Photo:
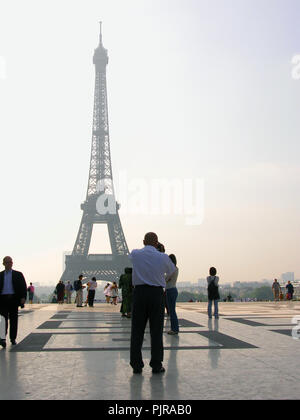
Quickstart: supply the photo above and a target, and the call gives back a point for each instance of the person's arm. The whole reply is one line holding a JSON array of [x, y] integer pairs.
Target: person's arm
[[170, 268], [173, 276], [131, 254]]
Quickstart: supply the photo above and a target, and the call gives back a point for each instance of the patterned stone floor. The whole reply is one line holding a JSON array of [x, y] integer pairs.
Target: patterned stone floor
[[64, 352]]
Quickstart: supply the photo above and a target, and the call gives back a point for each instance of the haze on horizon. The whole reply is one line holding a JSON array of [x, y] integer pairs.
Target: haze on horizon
[[200, 89]]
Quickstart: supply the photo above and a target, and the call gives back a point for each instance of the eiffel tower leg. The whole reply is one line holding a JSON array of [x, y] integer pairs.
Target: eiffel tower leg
[[84, 236], [116, 236]]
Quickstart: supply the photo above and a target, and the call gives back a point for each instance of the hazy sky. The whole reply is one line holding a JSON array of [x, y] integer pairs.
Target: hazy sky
[[197, 89]]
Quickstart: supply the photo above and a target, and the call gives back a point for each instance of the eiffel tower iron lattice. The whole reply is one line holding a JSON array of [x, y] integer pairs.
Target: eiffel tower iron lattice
[[100, 206]]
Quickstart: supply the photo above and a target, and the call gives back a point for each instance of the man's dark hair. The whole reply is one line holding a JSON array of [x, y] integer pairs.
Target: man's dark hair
[[151, 239]]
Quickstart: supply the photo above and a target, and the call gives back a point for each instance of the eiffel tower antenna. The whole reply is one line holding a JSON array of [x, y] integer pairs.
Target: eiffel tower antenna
[[100, 206], [100, 33]]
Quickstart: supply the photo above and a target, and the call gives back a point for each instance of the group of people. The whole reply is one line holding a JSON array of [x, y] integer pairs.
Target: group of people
[[63, 291], [111, 293], [153, 272], [147, 289], [278, 295]]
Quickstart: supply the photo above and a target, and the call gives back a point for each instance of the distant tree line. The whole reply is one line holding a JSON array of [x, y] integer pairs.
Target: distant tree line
[[258, 293]]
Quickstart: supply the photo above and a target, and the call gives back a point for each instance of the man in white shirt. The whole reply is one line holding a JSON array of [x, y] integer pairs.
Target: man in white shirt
[[148, 278]]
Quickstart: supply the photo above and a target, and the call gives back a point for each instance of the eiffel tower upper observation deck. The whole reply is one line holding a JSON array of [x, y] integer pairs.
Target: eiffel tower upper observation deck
[[100, 206]]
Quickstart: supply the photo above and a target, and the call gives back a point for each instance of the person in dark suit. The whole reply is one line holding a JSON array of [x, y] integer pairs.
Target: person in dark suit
[[13, 292]]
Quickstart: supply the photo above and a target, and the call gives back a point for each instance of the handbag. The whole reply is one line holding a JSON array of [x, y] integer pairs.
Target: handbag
[[213, 290], [2, 327]]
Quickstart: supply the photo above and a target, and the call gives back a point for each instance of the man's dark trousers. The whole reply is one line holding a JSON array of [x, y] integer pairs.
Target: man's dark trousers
[[148, 304], [9, 310]]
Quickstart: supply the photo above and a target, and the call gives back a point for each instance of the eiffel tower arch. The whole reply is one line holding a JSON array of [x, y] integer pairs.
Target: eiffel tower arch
[[100, 206]]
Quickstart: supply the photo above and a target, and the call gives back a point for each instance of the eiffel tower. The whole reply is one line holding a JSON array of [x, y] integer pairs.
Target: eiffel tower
[[100, 205]]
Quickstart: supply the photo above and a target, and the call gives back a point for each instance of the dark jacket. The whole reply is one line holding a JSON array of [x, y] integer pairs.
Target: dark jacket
[[290, 288], [60, 288], [19, 284]]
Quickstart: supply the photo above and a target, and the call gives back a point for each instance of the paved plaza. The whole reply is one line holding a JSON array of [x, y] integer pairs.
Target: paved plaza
[[64, 352]]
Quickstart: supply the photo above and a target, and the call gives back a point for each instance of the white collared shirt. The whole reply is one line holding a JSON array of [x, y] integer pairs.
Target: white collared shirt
[[172, 279], [92, 285], [150, 266]]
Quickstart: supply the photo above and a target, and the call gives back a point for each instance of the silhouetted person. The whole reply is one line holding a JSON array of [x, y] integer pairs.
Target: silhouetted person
[[30, 291], [13, 293], [125, 284], [172, 294], [149, 269], [60, 291], [213, 292]]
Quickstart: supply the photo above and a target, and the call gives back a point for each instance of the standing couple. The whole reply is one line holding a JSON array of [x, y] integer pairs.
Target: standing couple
[[150, 270]]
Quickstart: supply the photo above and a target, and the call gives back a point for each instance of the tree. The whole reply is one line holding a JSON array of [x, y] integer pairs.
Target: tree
[[262, 293], [185, 296]]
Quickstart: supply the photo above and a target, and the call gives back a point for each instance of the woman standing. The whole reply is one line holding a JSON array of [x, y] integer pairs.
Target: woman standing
[[213, 292], [171, 295]]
